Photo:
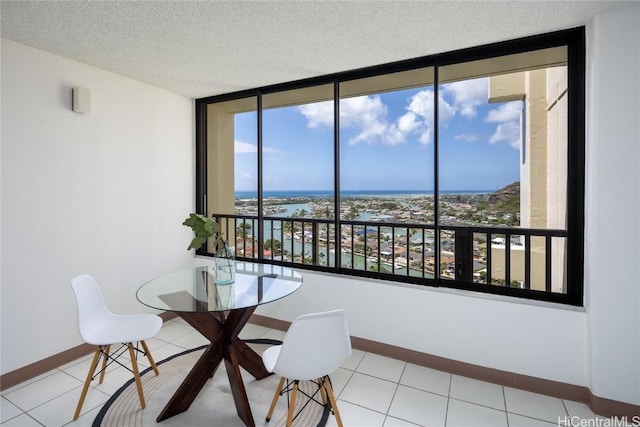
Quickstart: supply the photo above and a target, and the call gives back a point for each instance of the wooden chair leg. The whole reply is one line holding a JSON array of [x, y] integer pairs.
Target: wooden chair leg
[[322, 391], [292, 404], [85, 388], [136, 374], [148, 353], [275, 399], [332, 399], [104, 363]]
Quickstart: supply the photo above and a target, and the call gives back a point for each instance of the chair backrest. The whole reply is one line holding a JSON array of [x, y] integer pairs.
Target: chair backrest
[[315, 345], [92, 312]]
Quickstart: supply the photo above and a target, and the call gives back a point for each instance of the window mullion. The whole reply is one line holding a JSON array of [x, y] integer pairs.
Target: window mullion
[[336, 173], [436, 172], [260, 186]]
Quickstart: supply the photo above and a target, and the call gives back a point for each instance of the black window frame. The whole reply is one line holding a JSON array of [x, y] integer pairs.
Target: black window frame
[[573, 39]]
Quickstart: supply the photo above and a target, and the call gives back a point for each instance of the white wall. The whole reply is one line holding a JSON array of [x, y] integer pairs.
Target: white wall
[[518, 337], [103, 193], [599, 347], [613, 206]]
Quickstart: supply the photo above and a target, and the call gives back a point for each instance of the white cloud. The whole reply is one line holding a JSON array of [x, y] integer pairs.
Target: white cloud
[[509, 132], [421, 108], [244, 147], [467, 137], [505, 113], [368, 115], [507, 116], [467, 95], [318, 114], [271, 150], [247, 148], [408, 122]]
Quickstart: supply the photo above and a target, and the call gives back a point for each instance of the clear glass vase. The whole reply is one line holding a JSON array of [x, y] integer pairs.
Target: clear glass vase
[[225, 266]]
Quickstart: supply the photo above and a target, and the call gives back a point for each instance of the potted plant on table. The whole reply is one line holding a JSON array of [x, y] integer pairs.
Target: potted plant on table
[[206, 228]]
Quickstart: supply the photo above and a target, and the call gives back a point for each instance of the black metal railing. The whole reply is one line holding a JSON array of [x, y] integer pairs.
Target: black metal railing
[[469, 257]]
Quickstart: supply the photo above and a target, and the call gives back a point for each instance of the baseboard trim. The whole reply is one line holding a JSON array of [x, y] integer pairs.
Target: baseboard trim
[[599, 405], [28, 372]]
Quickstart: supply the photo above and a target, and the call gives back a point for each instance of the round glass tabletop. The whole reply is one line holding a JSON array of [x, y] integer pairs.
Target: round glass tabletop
[[195, 290]]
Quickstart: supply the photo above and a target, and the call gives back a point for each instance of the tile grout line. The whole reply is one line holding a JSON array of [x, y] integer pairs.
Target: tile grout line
[[504, 397], [446, 411], [395, 392]]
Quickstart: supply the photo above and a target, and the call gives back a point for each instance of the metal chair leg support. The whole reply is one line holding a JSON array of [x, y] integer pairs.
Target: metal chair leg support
[[104, 363]]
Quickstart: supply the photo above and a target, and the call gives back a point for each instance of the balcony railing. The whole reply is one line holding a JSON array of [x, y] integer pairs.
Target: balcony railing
[[469, 257]]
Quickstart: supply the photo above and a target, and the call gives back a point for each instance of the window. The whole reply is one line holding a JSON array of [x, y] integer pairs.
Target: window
[[463, 170]]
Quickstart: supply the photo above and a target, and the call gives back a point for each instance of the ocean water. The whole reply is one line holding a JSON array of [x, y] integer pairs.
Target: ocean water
[[351, 193]]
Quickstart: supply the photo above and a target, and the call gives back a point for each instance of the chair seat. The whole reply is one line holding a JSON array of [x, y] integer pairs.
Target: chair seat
[[314, 346], [123, 328], [270, 357]]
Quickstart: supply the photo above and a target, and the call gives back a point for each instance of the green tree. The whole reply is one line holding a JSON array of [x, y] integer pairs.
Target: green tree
[[244, 229], [274, 245]]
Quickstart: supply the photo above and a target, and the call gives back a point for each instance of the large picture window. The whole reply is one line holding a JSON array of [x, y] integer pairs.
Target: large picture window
[[462, 170]]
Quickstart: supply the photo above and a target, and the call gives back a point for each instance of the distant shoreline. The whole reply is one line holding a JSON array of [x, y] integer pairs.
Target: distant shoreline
[[240, 195]]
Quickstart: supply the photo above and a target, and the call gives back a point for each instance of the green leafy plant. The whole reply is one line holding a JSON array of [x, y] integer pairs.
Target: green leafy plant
[[204, 229]]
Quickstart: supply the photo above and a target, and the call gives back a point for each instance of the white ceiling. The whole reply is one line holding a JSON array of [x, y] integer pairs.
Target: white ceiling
[[203, 48]]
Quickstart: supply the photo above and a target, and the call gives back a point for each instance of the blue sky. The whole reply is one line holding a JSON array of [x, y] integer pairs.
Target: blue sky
[[387, 142]]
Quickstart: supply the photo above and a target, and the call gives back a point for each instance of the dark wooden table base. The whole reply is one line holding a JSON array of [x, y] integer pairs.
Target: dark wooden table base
[[225, 345]]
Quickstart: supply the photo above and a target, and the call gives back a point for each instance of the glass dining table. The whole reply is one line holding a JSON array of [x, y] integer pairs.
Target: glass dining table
[[219, 312]]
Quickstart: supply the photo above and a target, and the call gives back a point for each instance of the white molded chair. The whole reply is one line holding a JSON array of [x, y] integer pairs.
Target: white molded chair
[[315, 345], [100, 327]]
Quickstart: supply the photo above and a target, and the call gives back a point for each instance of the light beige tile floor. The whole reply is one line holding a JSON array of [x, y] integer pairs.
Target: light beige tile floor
[[372, 391]]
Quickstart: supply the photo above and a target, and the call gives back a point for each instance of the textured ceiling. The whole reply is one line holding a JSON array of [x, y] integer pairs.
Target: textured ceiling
[[206, 48]]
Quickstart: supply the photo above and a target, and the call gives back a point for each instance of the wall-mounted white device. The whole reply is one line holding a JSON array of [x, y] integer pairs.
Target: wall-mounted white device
[[81, 100]]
